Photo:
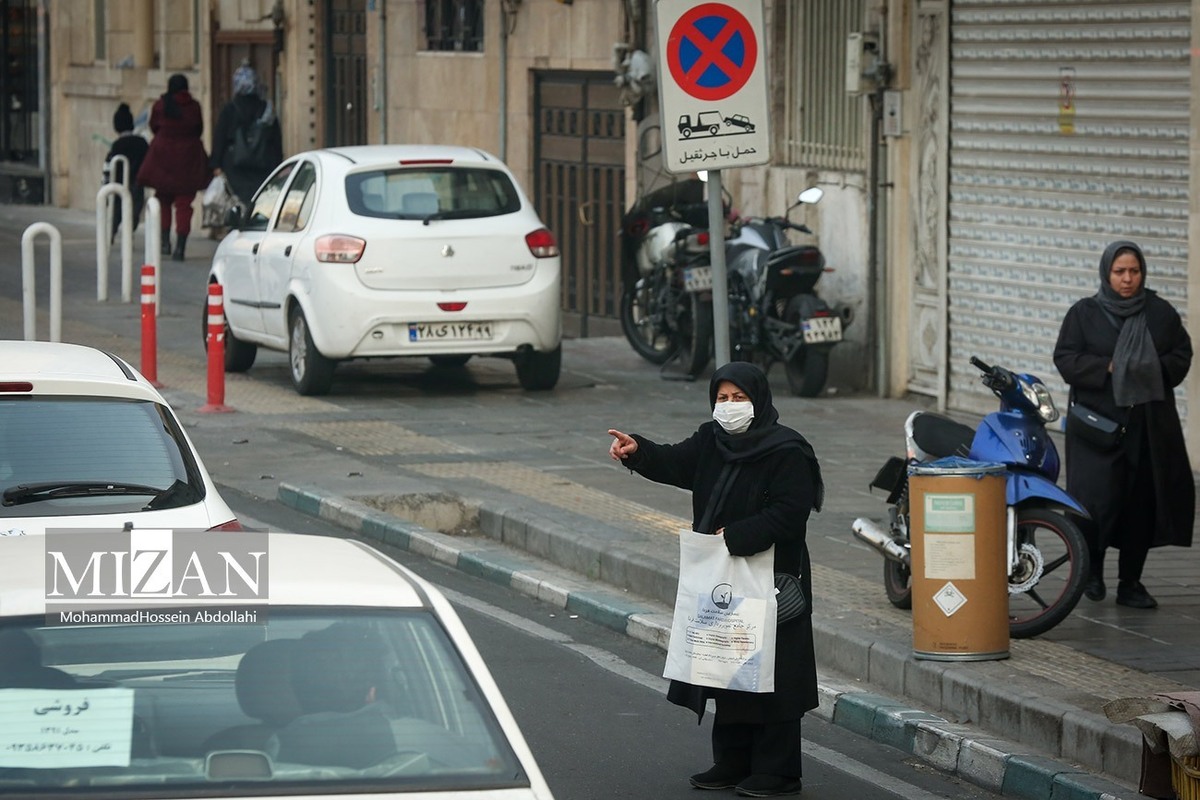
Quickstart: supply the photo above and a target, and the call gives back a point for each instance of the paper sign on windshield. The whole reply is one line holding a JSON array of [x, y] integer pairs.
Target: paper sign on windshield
[[52, 729]]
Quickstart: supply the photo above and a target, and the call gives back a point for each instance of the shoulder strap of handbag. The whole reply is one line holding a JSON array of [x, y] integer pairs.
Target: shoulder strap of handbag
[[719, 492], [1115, 322]]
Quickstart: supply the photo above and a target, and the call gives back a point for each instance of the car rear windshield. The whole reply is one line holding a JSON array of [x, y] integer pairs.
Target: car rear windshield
[[63, 444], [312, 701], [432, 192]]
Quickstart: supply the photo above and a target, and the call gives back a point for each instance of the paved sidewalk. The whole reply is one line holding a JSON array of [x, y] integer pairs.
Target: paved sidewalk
[[517, 488]]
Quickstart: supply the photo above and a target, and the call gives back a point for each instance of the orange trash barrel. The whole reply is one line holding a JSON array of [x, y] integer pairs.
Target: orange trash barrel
[[958, 518]]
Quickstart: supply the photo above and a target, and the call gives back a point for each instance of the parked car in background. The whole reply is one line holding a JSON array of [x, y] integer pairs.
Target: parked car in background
[[404, 250], [87, 442], [358, 680]]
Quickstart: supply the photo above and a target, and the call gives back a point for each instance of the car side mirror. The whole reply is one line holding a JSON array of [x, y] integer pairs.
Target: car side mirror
[[233, 217]]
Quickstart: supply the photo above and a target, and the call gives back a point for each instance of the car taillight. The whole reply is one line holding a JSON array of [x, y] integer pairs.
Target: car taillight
[[456, 306], [340, 249], [232, 525], [541, 243]]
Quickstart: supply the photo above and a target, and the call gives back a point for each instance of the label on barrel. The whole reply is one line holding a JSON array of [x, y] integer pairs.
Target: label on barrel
[[950, 513], [949, 599], [950, 556]]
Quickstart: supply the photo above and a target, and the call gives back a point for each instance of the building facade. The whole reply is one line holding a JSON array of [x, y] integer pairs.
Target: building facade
[[974, 168]]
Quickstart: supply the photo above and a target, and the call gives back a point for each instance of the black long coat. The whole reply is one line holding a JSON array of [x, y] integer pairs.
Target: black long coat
[[241, 112], [768, 504], [1085, 347]]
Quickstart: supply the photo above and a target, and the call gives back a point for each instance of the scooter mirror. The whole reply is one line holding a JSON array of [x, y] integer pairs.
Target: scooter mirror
[[812, 194]]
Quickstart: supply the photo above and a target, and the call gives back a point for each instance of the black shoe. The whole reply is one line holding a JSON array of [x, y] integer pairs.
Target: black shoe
[[1134, 595], [166, 245], [768, 786], [719, 776], [1094, 589], [180, 243]]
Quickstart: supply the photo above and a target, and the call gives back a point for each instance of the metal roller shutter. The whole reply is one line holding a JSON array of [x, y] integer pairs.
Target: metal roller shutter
[[1068, 129]]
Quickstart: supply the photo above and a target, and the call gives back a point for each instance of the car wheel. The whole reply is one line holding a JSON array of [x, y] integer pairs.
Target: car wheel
[[312, 373], [714, 129], [449, 360], [539, 371], [687, 133], [239, 355]]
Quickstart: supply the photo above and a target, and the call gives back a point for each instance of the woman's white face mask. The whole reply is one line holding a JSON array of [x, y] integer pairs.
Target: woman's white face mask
[[734, 417]]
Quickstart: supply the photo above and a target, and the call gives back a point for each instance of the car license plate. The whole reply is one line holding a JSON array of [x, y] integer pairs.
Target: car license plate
[[697, 279], [449, 331], [822, 329]]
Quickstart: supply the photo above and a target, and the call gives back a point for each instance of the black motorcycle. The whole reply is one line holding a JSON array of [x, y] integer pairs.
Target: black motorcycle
[[775, 313], [665, 313]]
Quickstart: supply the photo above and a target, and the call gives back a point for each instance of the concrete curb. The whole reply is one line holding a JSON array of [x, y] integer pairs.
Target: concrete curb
[[994, 764]]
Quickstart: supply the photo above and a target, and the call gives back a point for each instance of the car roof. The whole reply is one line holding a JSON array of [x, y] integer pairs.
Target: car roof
[[304, 570], [70, 369]]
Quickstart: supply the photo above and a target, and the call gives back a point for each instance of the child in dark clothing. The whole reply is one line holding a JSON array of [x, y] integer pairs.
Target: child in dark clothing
[[133, 147]]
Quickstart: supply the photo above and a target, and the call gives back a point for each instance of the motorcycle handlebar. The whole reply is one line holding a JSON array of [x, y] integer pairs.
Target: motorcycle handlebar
[[979, 364], [996, 378]]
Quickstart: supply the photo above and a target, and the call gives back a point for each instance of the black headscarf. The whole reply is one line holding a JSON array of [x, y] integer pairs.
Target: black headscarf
[[175, 84], [765, 434], [1137, 372]]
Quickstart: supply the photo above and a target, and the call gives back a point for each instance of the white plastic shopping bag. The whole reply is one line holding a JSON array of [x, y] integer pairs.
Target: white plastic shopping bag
[[218, 199], [723, 632]]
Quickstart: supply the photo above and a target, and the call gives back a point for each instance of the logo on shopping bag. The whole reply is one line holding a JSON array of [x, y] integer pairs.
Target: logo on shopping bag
[[722, 595]]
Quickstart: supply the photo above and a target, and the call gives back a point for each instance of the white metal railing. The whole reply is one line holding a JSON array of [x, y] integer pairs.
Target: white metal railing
[[29, 283], [825, 126]]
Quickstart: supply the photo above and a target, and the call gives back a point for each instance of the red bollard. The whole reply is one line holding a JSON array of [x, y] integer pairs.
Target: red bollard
[[149, 326], [216, 352]]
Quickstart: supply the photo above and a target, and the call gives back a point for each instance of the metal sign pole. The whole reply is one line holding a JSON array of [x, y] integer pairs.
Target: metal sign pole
[[720, 280]]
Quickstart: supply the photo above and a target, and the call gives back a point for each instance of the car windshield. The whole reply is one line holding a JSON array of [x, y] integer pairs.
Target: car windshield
[[431, 193], [85, 455], [312, 701]]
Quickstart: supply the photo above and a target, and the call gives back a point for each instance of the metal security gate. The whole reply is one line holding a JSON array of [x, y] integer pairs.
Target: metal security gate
[[1068, 129], [579, 189], [346, 70]]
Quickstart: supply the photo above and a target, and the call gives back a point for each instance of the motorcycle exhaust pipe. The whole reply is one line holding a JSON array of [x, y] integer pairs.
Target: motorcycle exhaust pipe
[[880, 540]]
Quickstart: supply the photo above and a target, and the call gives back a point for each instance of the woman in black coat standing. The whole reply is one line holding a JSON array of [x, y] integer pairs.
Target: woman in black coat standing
[[769, 481], [246, 111], [1123, 352]]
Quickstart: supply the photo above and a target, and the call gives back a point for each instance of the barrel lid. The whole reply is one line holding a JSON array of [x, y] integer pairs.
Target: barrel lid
[[956, 465]]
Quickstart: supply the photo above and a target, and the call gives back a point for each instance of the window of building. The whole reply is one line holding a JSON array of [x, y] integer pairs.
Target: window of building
[[454, 25], [100, 30], [19, 82], [825, 126]]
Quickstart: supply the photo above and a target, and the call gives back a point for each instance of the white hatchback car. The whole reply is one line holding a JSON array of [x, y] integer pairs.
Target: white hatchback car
[[87, 442], [391, 250], [355, 678]]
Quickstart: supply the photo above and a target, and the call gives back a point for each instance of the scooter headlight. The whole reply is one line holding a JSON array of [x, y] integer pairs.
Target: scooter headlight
[[1039, 397]]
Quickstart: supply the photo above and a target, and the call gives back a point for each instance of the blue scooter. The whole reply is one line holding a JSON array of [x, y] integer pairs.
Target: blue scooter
[[1047, 554]]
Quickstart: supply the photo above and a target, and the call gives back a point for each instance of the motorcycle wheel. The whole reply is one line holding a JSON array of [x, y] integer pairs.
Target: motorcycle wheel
[[695, 337], [897, 582], [1055, 542], [808, 369], [640, 323]]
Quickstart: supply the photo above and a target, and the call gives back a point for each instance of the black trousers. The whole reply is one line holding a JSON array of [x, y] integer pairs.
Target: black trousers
[[768, 749]]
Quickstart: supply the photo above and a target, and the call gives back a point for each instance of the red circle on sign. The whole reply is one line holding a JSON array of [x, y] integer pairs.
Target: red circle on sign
[[712, 53]]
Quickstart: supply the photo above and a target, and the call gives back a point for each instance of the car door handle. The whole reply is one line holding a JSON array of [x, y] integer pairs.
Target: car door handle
[[287, 251], [254, 249]]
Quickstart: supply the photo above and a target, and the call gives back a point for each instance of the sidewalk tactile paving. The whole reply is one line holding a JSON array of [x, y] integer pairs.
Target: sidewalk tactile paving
[[559, 492], [376, 438]]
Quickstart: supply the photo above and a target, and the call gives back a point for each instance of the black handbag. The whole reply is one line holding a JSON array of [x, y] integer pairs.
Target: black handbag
[[789, 597], [1096, 429], [789, 594]]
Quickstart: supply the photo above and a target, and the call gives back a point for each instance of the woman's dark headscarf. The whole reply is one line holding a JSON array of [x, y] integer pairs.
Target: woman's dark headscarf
[[765, 434], [175, 84], [1137, 374]]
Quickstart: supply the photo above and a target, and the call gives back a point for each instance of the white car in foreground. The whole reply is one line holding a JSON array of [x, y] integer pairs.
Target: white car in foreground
[[358, 680], [391, 250], [87, 442]]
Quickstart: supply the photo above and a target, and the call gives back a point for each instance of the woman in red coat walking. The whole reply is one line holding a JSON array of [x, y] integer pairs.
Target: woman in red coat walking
[[176, 167]]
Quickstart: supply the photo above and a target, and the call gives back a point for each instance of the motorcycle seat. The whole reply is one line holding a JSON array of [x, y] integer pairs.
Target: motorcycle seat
[[941, 436]]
